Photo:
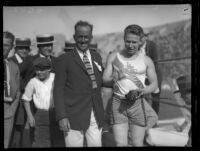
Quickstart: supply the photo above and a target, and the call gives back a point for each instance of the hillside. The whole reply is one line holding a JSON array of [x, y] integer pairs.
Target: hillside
[[173, 40]]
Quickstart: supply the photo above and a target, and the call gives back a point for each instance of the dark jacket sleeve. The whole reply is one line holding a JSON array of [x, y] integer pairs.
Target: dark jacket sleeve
[[59, 87], [153, 54]]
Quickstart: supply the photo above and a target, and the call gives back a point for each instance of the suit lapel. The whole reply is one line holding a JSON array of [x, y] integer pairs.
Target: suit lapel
[[79, 61], [14, 59], [93, 56]]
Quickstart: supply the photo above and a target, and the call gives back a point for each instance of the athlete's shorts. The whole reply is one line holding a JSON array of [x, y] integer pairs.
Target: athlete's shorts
[[124, 112]]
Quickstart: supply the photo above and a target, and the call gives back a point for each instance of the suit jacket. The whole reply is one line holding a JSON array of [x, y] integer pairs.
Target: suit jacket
[[74, 97], [10, 107], [20, 117], [23, 67], [151, 51]]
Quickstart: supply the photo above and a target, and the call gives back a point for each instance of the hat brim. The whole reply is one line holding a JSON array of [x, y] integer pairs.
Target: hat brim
[[23, 45], [43, 43]]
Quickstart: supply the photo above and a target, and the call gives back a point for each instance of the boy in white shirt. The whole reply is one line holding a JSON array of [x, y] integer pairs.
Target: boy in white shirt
[[39, 89]]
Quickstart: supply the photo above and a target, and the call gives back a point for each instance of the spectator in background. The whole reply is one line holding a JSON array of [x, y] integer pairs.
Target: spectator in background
[[127, 70], [149, 48], [45, 48], [77, 91], [11, 87], [184, 85], [22, 49]]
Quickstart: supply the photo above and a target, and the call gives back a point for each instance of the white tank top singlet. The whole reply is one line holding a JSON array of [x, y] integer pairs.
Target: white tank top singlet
[[128, 74]]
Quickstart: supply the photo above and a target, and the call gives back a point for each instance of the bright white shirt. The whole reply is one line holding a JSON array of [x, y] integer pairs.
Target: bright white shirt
[[41, 92], [19, 59], [88, 55], [142, 49]]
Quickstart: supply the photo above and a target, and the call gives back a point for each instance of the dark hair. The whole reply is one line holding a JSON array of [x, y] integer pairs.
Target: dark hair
[[83, 23], [134, 29], [9, 35]]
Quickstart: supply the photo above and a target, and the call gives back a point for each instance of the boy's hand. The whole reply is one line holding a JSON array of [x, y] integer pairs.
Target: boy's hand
[[31, 121]]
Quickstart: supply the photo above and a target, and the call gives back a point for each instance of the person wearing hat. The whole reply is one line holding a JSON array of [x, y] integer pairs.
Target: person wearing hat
[[11, 87], [45, 47], [22, 49], [39, 90]]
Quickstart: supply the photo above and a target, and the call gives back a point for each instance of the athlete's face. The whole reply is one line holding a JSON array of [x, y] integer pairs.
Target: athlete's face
[[132, 43]]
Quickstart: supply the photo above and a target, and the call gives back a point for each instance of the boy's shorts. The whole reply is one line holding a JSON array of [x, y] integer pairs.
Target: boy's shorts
[[124, 112]]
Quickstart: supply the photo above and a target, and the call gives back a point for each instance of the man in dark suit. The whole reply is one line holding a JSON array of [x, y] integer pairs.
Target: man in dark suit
[[22, 48], [77, 91], [11, 87], [149, 48]]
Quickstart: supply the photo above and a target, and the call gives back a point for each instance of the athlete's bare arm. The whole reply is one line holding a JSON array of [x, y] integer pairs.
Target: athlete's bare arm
[[107, 74], [151, 75]]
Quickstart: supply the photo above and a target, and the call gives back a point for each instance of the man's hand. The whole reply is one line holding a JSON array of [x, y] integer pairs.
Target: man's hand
[[31, 121], [64, 125]]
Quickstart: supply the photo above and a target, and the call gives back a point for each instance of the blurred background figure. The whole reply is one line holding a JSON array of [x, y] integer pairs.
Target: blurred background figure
[[11, 87], [22, 49], [149, 48]]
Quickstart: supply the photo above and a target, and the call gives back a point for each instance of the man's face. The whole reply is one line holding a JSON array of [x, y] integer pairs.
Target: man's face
[[83, 37], [132, 43], [42, 74], [7, 46], [22, 51], [46, 49]]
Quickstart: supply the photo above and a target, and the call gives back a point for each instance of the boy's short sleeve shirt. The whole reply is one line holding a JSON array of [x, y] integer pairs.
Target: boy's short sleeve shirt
[[40, 92]]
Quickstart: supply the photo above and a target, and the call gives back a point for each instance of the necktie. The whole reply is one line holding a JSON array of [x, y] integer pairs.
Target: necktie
[[89, 70]]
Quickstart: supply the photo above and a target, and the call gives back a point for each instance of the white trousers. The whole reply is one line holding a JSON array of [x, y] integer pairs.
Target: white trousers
[[93, 135]]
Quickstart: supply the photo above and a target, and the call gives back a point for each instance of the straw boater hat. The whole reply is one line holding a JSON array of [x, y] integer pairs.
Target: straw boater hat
[[70, 46], [22, 42], [45, 39]]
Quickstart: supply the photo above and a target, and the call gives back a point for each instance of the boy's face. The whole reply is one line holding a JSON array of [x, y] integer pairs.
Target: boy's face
[[42, 74]]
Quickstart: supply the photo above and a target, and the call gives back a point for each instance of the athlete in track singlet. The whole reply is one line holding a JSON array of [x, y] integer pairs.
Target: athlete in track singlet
[[126, 71]]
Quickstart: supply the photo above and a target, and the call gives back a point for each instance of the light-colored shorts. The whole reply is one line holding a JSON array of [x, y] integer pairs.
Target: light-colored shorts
[[138, 114]]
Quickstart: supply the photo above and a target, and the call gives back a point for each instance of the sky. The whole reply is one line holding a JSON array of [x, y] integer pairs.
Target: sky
[[35, 20]]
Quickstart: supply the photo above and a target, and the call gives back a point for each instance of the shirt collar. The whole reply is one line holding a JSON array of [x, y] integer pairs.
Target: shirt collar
[[42, 55], [19, 59], [81, 53]]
